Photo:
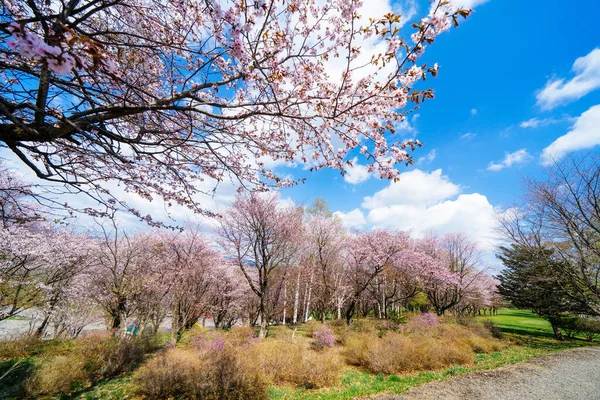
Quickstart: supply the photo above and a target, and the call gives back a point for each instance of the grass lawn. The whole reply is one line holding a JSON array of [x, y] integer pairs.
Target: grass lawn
[[522, 322]]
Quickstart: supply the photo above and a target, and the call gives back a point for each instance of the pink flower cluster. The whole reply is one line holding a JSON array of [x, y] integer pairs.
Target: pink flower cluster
[[323, 337], [427, 320], [31, 46]]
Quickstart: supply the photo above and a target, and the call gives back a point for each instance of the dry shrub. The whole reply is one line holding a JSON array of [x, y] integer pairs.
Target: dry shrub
[[94, 357], [311, 326], [365, 325], [24, 346], [217, 374], [320, 369], [106, 356], [293, 363], [62, 375], [396, 352], [241, 335], [173, 373], [421, 348], [493, 329]]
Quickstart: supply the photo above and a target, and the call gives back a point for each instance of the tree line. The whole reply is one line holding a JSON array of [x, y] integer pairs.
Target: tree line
[[266, 263]]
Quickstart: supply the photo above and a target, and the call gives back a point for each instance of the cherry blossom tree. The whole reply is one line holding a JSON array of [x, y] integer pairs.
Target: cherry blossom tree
[[16, 200], [36, 266], [260, 236], [189, 263], [123, 262], [454, 269], [368, 255], [325, 242], [168, 98]]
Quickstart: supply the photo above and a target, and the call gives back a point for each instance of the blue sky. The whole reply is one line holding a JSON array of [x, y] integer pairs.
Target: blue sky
[[518, 82], [492, 71]]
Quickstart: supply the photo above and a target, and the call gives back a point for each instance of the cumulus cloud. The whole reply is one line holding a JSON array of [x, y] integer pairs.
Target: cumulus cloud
[[518, 157], [357, 173], [354, 219], [584, 134], [414, 187], [469, 213], [587, 79], [429, 201]]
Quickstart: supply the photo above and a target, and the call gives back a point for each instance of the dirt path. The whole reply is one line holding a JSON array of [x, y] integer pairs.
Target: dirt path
[[568, 375]]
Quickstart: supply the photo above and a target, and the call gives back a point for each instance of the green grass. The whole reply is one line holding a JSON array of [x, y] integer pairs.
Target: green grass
[[522, 322]]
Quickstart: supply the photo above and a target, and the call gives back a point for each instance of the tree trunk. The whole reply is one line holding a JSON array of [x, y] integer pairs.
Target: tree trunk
[[263, 319], [296, 299], [557, 333], [284, 302], [309, 291]]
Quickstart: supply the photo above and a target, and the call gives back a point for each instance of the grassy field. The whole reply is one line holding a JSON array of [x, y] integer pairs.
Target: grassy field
[[529, 335], [522, 322]]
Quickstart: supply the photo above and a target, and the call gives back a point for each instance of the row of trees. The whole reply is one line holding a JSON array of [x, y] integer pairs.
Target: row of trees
[[552, 260], [267, 263]]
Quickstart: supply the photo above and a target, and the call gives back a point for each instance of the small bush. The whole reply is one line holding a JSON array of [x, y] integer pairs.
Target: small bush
[[320, 369], [30, 345], [292, 363], [311, 327], [430, 348], [426, 320], [62, 375], [213, 375], [173, 373], [323, 337], [242, 335], [93, 358], [396, 352]]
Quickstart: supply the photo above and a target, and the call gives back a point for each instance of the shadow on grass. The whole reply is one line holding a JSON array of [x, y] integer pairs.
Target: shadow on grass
[[13, 376], [525, 331]]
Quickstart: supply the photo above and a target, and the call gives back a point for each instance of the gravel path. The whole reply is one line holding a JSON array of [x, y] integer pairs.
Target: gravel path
[[568, 375]]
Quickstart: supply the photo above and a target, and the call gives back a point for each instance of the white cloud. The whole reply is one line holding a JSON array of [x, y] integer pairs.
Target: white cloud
[[468, 136], [468, 3], [471, 214], [354, 219], [357, 173], [473, 111], [534, 123], [586, 80], [414, 187], [428, 158], [424, 202], [585, 134], [510, 159]]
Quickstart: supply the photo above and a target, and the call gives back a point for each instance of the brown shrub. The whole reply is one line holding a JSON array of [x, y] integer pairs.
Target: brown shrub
[[295, 363], [241, 335], [219, 374], [311, 326], [426, 349], [93, 357], [25, 346], [62, 375], [173, 373]]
